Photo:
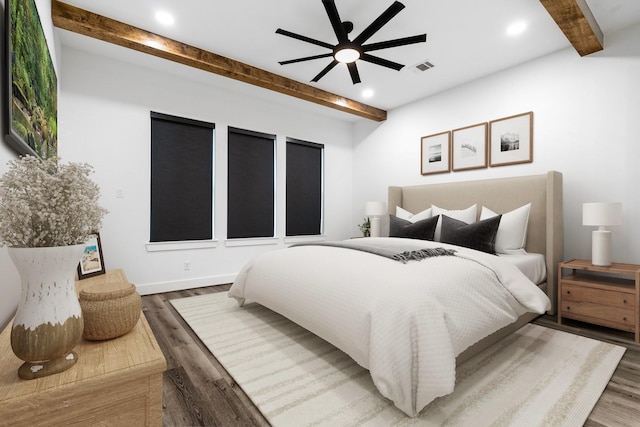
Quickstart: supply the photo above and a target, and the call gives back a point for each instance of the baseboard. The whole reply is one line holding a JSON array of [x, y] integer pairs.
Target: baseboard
[[177, 285]]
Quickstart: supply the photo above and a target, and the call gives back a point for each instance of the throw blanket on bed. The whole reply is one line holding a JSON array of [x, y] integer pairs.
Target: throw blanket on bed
[[405, 322], [399, 252]]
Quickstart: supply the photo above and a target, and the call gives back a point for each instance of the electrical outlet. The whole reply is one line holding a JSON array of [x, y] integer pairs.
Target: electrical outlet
[[187, 265]]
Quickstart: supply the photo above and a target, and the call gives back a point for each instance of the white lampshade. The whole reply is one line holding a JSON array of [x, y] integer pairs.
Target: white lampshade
[[601, 214], [375, 209]]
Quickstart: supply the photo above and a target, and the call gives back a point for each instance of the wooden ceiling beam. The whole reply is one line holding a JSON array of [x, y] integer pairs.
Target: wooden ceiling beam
[[89, 24], [577, 23]]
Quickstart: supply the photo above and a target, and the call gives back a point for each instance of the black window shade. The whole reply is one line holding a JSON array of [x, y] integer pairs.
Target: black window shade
[[304, 188], [251, 184], [181, 179]]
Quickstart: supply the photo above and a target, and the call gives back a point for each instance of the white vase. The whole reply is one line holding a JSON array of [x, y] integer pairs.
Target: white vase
[[48, 323]]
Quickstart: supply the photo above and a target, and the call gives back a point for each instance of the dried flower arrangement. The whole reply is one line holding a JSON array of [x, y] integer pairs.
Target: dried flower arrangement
[[44, 204]]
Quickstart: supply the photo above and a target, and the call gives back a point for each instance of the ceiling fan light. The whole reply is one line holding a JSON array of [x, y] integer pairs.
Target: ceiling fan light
[[347, 55]]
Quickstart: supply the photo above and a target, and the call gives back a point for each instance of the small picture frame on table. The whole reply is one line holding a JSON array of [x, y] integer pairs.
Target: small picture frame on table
[[511, 140], [469, 146], [92, 262], [434, 153]]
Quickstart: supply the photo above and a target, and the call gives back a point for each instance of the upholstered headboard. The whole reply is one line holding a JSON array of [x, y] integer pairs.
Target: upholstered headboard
[[544, 234]]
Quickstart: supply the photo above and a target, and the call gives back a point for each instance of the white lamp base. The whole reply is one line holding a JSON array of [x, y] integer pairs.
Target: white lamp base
[[375, 227], [601, 247]]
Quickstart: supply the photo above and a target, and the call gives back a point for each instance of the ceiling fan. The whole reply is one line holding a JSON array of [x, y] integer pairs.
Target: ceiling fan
[[349, 51]]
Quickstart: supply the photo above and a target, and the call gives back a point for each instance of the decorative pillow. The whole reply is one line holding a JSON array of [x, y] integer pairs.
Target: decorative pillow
[[467, 215], [480, 235], [422, 229], [405, 214], [512, 234]]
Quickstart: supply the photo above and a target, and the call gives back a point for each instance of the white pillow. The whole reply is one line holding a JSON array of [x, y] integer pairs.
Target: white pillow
[[405, 214], [467, 215], [512, 233]]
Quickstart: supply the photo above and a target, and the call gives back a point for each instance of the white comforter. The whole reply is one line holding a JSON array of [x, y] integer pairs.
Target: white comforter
[[405, 323]]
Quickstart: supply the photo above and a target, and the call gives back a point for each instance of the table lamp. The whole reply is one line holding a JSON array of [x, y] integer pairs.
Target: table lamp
[[375, 210], [601, 215]]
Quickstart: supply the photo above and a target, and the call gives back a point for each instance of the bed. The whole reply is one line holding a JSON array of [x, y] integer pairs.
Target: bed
[[404, 320]]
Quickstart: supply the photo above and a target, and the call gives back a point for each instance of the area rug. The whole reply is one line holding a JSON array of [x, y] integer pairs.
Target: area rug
[[534, 377]]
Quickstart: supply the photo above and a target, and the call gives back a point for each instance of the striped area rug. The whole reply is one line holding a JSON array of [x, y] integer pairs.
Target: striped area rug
[[535, 377]]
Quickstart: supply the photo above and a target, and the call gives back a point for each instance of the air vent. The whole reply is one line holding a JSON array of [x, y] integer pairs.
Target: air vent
[[424, 66]]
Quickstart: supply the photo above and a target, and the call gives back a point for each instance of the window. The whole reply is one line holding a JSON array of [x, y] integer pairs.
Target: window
[[181, 179], [251, 184], [304, 188]]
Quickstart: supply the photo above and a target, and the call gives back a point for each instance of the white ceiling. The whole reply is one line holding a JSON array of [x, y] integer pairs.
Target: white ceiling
[[466, 39]]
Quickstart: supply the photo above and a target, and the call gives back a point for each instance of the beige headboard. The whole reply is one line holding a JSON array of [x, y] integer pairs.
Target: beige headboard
[[544, 234]]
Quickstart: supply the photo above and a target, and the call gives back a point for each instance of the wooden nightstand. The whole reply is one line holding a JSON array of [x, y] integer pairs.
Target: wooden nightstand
[[115, 382], [599, 295]]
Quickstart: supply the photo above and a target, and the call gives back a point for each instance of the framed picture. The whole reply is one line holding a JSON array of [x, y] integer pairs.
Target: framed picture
[[31, 100], [469, 147], [92, 263], [434, 153], [511, 140]]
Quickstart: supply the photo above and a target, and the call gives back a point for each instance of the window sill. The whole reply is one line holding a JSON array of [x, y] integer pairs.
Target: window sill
[[180, 246], [251, 241], [305, 239]]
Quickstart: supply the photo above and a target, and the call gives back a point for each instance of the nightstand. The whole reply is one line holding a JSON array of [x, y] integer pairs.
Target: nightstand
[[115, 382], [606, 296]]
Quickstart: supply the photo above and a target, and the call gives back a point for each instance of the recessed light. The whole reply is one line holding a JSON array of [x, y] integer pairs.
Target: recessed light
[[516, 28], [367, 93], [164, 17]]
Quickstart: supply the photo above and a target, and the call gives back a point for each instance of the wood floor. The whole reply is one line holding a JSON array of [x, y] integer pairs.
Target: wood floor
[[197, 391]]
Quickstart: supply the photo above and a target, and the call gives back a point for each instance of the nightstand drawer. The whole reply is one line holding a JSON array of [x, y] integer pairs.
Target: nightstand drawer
[[599, 314], [571, 292]]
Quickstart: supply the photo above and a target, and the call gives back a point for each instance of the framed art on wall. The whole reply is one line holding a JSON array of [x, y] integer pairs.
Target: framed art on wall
[[511, 140], [469, 147], [92, 262], [434, 153], [31, 99]]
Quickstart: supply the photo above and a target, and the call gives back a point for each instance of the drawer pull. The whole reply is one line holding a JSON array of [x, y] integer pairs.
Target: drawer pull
[[624, 301], [568, 292], [624, 318], [568, 307]]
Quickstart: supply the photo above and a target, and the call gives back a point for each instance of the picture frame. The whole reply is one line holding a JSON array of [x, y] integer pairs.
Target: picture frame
[[511, 140], [30, 97], [92, 262], [435, 153], [469, 147]]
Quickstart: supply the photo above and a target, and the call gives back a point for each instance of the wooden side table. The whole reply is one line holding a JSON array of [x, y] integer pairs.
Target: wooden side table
[[600, 295], [115, 382]]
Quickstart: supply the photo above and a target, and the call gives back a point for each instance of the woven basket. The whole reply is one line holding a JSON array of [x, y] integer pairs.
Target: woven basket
[[109, 310]]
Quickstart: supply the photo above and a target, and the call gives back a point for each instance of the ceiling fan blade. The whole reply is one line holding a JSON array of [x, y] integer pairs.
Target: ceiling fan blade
[[379, 61], [353, 70], [386, 16], [306, 58], [325, 71], [394, 43], [336, 22], [304, 38]]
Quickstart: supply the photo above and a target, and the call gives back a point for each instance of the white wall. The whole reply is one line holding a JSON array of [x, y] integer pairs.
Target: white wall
[[586, 126], [9, 278], [104, 120]]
